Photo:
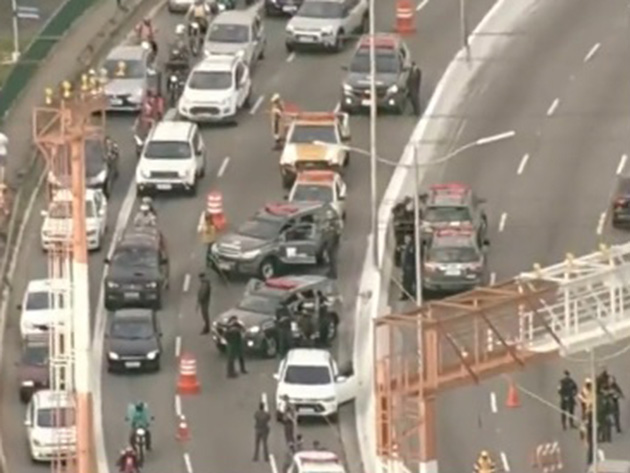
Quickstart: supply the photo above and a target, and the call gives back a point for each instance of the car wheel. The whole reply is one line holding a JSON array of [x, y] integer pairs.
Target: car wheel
[[333, 418], [346, 161], [400, 108], [202, 171], [24, 397], [109, 306], [267, 269], [193, 189], [157, 365], [270, 347], [248, 100]]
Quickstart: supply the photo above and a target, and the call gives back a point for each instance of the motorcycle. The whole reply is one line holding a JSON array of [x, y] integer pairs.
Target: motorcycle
[[194, 38], [129, 466], [140, 444], [174, 88]]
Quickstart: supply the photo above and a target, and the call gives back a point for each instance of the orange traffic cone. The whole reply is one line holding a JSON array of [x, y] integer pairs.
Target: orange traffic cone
[[512, 397], [188, 382], [405, 17], [214, 207], [183, 433]]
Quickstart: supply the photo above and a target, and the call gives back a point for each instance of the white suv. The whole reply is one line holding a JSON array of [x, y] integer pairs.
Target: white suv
[[310, 380], [51, 425], [173, 158], [217, 88]]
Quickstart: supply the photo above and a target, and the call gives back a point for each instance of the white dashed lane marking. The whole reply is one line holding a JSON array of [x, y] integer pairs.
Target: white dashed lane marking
[[552, 108], [622, 164], [592, 52], [493, 278], [502, 221], [600, 223], [422, 4], [504, 460], [224, 166], [291, 57], [522, 164], [493, 402], [257, 105]]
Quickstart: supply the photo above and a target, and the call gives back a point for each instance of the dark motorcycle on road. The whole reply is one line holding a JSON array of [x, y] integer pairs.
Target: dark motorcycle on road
[[174, 87]]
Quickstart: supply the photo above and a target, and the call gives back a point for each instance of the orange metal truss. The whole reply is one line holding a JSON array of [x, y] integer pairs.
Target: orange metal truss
[[463, 339]]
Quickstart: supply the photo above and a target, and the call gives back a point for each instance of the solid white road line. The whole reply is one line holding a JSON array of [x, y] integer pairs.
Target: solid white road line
[[178, 346], [224, 166], [522, 164], [257, 105], [592, 52], [600, 223], [552, 108], [178, 405], [493, 402], [422, 4], [264, 400], [622, 164], [188, 463], [291, 57], [493, 278], [502, 221], [504, 460], [272, 463], [186, 285]]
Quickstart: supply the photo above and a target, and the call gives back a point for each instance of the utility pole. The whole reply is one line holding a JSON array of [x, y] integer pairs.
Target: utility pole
[[373, 149], [594, 450]]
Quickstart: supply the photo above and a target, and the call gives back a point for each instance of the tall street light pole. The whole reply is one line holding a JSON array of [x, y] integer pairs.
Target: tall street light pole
[[373, 151]]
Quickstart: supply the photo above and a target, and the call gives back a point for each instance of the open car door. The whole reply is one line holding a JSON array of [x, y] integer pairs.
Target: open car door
[[299, 245], [347, 384]]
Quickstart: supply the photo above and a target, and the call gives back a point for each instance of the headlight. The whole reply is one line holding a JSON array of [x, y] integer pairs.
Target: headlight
[[290, 29], [112, 285], [151, 285], [328, 30], [393, 89], [254, 330], [250, 254], [240, 54], [28, 384], [113, 356], [152, 355], [347, 88]]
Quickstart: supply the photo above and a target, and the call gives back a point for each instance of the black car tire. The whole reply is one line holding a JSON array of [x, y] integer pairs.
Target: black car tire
[[401, 107], [158, 364], [289, 47], [346, 161], [268, 268], [269, 347], [24, 397]]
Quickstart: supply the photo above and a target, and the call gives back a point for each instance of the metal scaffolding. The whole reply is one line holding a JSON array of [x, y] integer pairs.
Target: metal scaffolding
[[574, 305], [60, 129]]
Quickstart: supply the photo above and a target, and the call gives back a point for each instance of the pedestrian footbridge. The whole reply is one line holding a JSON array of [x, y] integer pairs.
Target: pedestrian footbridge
[[578, 304]]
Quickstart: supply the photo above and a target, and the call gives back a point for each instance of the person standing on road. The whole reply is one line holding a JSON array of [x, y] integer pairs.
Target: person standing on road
[[289, 421], [567, 391], [261, 431], [616, 394], [235, 350], [203, 301], [415, 77], [408, 265], [283, 322]]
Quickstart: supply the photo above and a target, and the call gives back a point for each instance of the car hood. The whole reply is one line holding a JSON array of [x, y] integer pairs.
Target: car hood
[[63, 226], [209, 97], [35, 373], [124, 86], [55, 435], [139, 347], [249, 319], [294, 153], [363, 80], [305, 23], [229, 49], [42, 317], [237, 242], [306, 391], [174, 165]]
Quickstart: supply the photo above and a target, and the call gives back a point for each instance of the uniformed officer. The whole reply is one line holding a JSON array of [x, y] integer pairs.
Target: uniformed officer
[[261, 431], [323, 320], [283, 322], [604, 417], [616, 394], [403, 225], [415, 78], [567, 391], [203, 301], [408, 265], [234, 337], [602, 380], [277, 115]]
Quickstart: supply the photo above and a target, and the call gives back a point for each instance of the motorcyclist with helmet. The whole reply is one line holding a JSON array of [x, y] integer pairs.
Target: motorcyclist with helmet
[[128, 457], [153, 106], [179, 51], [200, 12], [484, 463], [146, 32], [146, 216], [140, 419]]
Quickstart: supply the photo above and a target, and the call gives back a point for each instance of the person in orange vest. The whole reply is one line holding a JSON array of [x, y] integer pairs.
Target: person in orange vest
[[277, 115]]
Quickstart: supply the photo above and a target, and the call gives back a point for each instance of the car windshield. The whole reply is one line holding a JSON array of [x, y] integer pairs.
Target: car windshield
[[312, 9], [311, 375], [168, 150], [260, 228], [55, 417], [259, 304], [42, 300], [210, 80], [310, 192], [310, 134], [229, 34], [35, 355], [386, 63], [124, 68], [135, 258], [132, 330], [443, 213], [453, 255], [63, 209], [94, 157]]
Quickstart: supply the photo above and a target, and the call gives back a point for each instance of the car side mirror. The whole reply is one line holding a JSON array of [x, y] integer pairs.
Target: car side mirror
[[44, 213], [341, 379]]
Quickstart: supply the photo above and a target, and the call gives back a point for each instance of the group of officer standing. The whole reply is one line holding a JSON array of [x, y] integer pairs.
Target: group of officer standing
[[605, 396]]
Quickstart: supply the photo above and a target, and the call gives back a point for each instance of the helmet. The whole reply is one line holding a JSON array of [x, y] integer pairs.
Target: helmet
[[180, 30], [484, 454], [146, 200], [587, 381], [275, 98], [145, 209], [139, 405]]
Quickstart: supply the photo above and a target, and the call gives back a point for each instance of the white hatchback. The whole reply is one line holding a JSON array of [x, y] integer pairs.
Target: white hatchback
[[217, 88], [311, 381], [57, 223], [42, 306]]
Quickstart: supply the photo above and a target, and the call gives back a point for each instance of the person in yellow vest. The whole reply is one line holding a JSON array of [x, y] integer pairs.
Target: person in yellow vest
[[277, 115], [484, 463], [208, 231]]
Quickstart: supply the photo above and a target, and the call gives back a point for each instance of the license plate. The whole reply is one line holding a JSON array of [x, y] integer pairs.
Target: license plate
[[294, 326], [306, 410], [453, 272], [289, 8], [115, 101], [225, 266], [132, 295], [366, 103], [132, 364], [164, 187], [306, 39]]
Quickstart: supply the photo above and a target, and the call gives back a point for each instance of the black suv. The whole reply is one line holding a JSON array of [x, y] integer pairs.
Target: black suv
[[393, 66], [280, 235], [282, 7], [257, 310], [138, 270], [134, 340]]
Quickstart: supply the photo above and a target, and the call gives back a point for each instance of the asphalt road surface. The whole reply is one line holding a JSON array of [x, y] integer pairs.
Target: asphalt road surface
[[562, 86], [221, 417]]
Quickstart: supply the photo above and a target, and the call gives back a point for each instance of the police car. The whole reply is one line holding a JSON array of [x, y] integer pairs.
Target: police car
[[316, 461], [320, 186], [313, 383], [453, 205], [454, 261]]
